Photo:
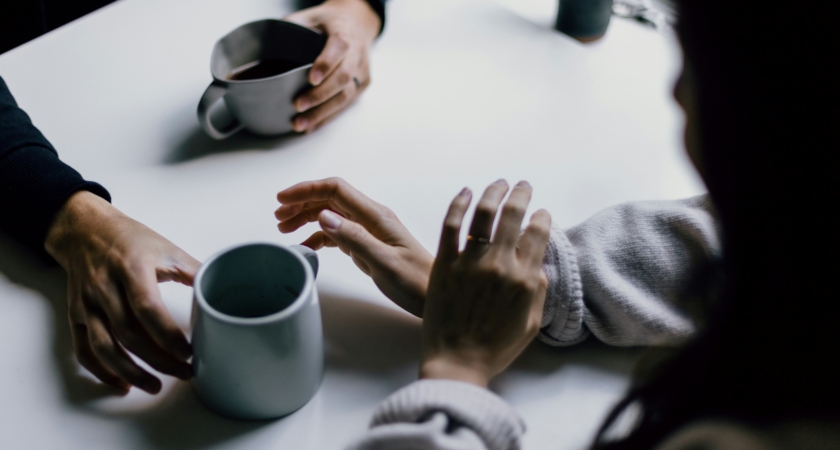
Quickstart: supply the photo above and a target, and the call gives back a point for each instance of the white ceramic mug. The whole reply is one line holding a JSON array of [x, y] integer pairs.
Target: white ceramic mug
[[261, 105], [256, 331]]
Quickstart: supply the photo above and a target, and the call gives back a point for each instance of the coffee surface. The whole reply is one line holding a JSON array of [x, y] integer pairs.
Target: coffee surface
[[255, 70]]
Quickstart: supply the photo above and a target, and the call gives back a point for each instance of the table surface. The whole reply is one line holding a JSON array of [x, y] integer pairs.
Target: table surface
[[464, 92]]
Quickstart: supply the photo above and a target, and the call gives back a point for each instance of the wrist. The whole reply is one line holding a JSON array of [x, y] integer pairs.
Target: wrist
[[363, 14], [453, 368], [78, 215]]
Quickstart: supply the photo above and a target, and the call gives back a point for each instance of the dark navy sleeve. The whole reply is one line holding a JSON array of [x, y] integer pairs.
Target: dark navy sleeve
[[34, 183]]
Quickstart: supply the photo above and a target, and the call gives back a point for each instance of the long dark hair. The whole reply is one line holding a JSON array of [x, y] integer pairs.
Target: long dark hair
[[766, 81]]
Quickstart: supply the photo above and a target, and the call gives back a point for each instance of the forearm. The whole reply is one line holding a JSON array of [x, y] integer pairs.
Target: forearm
[[636, 274], [34, 183]]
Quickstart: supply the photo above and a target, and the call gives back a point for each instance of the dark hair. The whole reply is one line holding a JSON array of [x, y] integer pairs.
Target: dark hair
[[766, 81]]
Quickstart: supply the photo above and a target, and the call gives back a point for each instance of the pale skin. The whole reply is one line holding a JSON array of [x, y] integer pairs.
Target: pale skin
[[480, 307], [113, 265], [351, 27]]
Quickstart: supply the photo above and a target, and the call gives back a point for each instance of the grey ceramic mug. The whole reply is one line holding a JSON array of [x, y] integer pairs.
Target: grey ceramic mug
[[262, 105], [256, 331]]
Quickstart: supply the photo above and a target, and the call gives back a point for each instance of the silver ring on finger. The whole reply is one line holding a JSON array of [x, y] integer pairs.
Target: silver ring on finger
[[478, 239], [357, 83]]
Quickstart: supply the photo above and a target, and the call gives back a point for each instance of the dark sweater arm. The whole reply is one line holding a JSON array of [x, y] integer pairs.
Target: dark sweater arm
[[34, 183]]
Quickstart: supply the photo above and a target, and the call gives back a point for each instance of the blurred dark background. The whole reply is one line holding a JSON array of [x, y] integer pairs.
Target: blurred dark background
[[24, 20]]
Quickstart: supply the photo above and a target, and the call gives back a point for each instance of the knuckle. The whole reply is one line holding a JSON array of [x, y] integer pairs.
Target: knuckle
[[342, 42], [514, 209], [127, 337], [452, 224], [100, 345], [343, 76], [342, 96], [541, 229], [485, 208], [144, 307], [335, 182]]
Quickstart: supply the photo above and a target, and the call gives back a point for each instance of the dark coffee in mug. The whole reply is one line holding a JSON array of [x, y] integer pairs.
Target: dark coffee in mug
[[255, 70]]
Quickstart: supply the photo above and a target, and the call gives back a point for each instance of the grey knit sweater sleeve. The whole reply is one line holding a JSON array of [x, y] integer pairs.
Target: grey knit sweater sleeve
[[634, 274], [442, 415]]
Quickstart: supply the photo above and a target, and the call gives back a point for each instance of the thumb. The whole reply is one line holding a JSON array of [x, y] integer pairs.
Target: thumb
[[352, 237]]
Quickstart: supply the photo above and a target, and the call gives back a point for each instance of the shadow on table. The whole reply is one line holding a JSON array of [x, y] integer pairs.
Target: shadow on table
[[359, 336], [366, 337], [196, 144], [177, 421], [23, 267]]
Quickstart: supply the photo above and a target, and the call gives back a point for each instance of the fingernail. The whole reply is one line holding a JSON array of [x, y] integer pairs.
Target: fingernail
[[465, 191], [315, 77], [300, 124], [330, 219], [301, 105], [500, 181], [524, 183]]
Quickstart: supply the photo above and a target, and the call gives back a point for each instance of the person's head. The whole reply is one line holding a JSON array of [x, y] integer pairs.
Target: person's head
[[760, 92]]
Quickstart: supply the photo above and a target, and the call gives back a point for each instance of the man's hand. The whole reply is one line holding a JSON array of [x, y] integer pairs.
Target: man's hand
[[366, 231], [484, 305], [342, 71], [113, 265]]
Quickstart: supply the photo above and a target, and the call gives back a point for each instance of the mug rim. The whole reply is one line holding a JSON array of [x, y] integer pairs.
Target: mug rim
[[290, 310], [225, 80]]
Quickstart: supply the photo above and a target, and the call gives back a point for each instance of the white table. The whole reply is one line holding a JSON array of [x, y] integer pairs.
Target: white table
[[464, 92]]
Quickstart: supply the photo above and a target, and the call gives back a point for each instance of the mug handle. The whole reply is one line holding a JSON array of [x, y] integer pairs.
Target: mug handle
[[310, 255], [213, 95]]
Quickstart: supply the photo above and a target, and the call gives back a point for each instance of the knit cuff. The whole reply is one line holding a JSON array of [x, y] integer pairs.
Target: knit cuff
[[34, 186], [478, 409], [562, 322]]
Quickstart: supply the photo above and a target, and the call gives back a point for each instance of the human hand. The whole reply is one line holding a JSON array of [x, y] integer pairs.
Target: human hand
[[484, 305], [113, 265], [342, 70], [368, 232]]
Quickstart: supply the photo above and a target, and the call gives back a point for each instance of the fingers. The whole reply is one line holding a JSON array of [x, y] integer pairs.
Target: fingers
[[485, 214], [123, 325], [185, 268], [114, 358], [352, 237], [319, 240], [88, 360], [147, 306], [338, 193], [328, 61], [534, 240], [450, 236], [314, 118], [510, 223], [306, 214]]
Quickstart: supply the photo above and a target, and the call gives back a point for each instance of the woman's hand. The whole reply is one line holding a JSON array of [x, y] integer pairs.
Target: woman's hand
[[113, 265], [484, 305], [342, 70], [366, 231]]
